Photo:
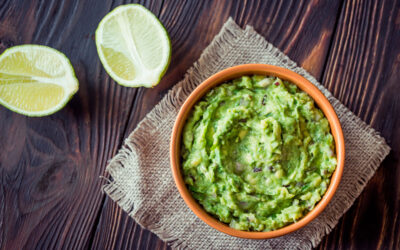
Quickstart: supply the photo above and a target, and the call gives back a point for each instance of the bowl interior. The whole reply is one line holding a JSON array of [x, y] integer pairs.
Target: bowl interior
[[232, 73]]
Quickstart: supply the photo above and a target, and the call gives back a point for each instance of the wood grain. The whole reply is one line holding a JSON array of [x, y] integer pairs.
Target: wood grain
[[301, 29], [49, 167], [49, 187], [363, 72]]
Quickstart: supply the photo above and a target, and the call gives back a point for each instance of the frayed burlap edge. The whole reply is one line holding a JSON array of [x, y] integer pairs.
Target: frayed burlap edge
[[203, 68]]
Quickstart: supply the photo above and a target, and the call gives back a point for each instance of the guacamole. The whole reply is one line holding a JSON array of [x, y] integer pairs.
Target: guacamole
[[257, 153]]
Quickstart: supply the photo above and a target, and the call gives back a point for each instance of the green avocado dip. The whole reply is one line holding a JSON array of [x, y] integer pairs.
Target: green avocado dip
[[256, 153]]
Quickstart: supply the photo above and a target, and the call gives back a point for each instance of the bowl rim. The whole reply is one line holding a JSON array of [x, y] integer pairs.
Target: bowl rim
[[235, 72]]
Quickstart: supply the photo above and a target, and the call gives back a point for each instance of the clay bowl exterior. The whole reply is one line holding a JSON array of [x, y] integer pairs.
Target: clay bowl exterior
[[232, 73]]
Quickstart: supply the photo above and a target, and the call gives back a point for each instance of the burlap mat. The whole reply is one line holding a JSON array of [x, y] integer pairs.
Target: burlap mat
[[141, 181]]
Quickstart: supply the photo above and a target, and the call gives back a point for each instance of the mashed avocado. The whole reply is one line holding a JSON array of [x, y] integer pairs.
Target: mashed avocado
[[256, 153]]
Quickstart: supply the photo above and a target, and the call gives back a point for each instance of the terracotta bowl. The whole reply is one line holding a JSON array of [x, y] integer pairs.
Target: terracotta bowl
[[236, 72]]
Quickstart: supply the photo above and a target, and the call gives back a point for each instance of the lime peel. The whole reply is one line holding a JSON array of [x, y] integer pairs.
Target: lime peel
[[133, 46], [36, 80]]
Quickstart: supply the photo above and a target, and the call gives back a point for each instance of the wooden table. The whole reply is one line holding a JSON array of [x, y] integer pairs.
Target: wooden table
[[50, 190]]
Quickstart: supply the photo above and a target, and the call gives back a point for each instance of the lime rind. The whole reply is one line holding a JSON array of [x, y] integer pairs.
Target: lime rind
[[70, 82], [163, 66]]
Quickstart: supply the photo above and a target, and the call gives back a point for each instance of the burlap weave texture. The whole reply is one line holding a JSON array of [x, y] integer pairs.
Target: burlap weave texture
[[141, 180]]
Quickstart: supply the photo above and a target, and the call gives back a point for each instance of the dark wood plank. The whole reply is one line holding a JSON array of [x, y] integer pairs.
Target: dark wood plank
[[302, 29], [363, 72], [49, 167]]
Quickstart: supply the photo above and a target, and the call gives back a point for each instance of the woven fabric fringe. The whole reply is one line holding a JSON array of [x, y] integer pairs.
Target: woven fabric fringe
[[142, 185]]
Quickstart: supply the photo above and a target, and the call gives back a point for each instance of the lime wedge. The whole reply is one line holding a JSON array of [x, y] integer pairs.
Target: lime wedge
[[133, 46], [35, 80]]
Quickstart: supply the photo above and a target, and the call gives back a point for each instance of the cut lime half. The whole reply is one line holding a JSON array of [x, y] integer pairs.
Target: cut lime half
[[133, 46], [35, 80]]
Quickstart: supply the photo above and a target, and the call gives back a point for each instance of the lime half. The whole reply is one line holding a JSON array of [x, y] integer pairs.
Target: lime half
[[133, 46], [35, 80]]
